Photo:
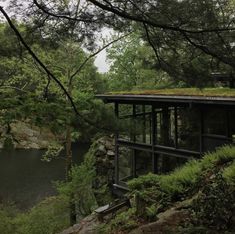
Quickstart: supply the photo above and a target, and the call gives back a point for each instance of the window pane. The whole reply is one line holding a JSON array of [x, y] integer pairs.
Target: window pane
[[165, 127], [188, 123], [143, 162], [210, 144], [124, 109], [125, 159], [143, 129], [168, 163], [215, 121]]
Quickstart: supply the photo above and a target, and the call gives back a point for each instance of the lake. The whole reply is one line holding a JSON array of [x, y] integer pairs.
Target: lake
[[25, 179]]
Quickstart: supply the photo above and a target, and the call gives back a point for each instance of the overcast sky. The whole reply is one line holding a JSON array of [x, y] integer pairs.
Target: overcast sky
[[101, 63], [100, 60]]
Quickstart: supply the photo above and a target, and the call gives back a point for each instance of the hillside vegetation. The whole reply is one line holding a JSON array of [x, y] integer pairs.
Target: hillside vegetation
[[205, 188]]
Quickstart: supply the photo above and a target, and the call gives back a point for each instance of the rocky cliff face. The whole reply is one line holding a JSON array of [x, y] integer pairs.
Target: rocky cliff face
[[23, 135], [105, 153]]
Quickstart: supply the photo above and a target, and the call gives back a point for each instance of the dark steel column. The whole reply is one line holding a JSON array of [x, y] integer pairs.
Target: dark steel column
[[153, 137], [176, 126], [201, 130], [133, 166], [144, 124], [116, 147]]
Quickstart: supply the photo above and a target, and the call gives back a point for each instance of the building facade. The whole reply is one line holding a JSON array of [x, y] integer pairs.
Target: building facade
[[165, 131]]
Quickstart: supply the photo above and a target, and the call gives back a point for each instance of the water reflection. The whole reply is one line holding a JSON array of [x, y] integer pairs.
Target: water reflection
[[26, 180]]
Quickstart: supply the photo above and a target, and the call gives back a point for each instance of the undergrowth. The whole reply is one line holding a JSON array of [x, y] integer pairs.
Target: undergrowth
[[155, 193]]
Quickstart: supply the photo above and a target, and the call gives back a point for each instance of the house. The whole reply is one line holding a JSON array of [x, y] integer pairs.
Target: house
[[170, 127]]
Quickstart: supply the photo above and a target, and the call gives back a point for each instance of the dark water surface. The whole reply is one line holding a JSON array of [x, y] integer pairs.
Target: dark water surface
[[26, 180]]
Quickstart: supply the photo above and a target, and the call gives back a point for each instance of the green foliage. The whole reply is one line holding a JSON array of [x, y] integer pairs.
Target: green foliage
[[132, 66], [49, 217], [162, 190], [8, 143], [52, 152], [79, 187], [7, 215], [151, 212], [124, 221], [215, 205], [229, 174]]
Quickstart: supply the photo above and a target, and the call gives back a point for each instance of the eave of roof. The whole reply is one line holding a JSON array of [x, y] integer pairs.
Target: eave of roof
[[173, 96]]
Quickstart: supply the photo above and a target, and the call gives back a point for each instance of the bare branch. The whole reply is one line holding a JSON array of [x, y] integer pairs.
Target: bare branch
[[97, 52], [47, 71], [125, 15], [34, 56]]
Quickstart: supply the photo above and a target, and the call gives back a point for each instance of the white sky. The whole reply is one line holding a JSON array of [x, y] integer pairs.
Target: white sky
[[101, 63]]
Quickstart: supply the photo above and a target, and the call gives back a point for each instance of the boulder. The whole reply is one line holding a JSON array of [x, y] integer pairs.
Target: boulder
[[27, 136]]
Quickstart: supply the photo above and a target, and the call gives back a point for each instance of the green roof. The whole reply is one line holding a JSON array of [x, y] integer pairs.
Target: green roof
[[205, 92]]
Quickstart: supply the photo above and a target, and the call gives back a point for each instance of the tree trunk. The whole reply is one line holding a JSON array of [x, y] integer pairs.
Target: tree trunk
[[68, 176], [69, 161]]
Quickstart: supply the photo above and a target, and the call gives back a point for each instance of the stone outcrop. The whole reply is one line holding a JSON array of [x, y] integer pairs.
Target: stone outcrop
[[104, 156], [167, 221], [23, 135], [87, 225]]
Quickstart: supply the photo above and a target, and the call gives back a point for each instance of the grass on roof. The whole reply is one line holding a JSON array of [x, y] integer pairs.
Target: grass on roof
[[210, 92]]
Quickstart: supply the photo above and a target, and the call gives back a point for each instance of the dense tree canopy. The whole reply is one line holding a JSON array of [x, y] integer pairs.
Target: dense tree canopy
[[190, 39]]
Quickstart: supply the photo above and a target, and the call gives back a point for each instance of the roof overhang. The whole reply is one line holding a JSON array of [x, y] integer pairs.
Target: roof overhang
[[167, 99]]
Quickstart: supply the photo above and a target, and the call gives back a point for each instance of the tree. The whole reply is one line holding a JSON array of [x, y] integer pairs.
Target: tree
[[132, 65], [186, 49], [184, 35]]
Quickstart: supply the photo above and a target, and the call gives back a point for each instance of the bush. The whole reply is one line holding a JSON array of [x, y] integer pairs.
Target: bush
[[48, 217], [124, 221], [162, 190], [215, 204], [7, 215], [80, 186]]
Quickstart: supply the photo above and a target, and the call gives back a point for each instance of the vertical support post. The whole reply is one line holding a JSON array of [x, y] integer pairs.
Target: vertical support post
[[144, 125], [227, 123], [201, 130], [133, 164], [133, 137], [165, 127], [153, 142], [116, 163], [176, 126]]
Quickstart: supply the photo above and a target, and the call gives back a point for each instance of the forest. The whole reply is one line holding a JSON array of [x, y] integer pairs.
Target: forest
[[76, 130]]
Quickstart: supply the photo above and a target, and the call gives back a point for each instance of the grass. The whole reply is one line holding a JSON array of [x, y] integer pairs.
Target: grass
[[152, 194], [163, 190], [205, 92], [189, 175]]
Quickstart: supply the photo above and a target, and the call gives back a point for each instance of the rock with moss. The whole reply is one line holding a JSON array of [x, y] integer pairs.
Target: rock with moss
[[104, 151], [23, 135]]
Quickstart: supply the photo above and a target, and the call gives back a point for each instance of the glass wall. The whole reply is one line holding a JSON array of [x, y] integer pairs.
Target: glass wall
[[178, 128], [215, 121], [177, 131], [168, 163], [133, 163], [136, 123], [142, 119], [165, 127], [143, 162], [125, 164], [218, 127], [188, 128]]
